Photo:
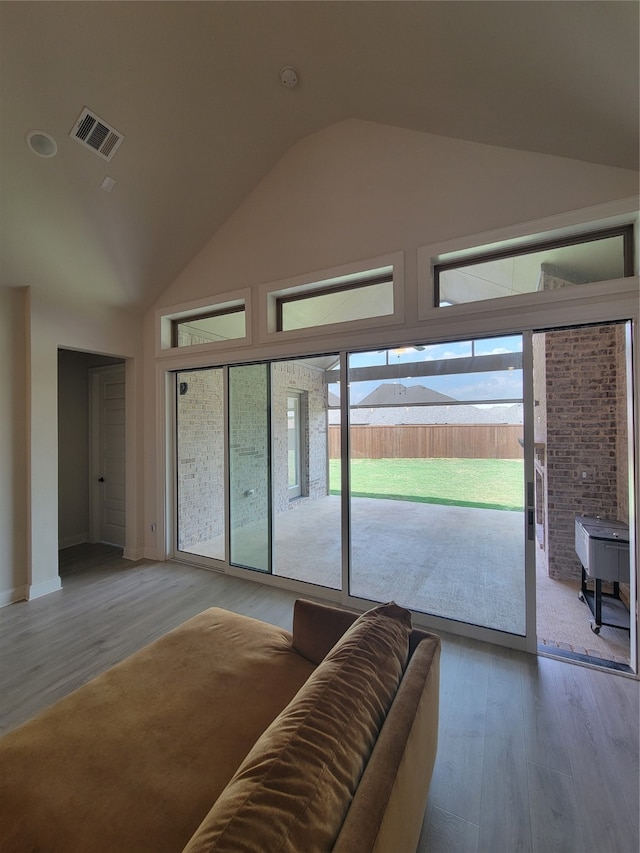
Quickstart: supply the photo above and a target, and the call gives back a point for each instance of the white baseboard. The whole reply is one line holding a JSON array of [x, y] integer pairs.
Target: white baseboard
[[133, 554], [153, 554], [10, 596], [40, 589], [70, 541]]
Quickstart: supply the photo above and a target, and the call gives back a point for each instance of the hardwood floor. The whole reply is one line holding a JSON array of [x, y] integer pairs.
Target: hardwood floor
[[535, 754]]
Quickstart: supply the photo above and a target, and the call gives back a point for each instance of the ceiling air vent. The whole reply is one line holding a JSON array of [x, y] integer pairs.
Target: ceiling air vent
[[96, 134]]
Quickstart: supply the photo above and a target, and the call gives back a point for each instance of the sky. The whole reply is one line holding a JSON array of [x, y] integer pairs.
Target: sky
[[496, 385]]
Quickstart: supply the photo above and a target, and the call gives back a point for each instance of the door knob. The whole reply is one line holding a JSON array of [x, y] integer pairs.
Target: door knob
[[101, 479]]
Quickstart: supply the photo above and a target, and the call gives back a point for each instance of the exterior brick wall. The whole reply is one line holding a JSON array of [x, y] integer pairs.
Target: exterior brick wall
[[295, 376], [200, 457], [582, 437], [201, 446]]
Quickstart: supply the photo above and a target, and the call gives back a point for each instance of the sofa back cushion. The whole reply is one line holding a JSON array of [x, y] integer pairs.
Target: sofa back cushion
[[294, 789]]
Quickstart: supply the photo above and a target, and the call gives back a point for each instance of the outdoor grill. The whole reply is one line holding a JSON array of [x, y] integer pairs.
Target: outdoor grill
[[602, 546]]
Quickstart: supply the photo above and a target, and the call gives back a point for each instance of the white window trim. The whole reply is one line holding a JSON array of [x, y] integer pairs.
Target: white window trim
[[588, 219], [358, 270], [164, 318]]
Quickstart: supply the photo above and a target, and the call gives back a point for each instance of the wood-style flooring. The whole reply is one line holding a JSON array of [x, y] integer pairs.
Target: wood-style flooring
[[535, 754]]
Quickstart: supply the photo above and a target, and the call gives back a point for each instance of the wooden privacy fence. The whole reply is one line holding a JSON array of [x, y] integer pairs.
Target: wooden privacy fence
[[431, 441]]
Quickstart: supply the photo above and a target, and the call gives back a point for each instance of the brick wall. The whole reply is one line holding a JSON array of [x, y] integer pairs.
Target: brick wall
[[201, 446], [583, 404], [200, 457], [295, 376]]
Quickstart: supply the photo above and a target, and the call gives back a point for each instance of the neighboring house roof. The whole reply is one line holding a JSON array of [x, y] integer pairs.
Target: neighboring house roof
[[393, 393], [398, 415], [396, 404]]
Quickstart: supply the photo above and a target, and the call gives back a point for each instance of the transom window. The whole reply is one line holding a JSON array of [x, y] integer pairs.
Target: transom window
[[322, 306], [549, 265], [222, 325]]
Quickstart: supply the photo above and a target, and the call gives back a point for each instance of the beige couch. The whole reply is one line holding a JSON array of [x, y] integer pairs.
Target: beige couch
[[230, 734]]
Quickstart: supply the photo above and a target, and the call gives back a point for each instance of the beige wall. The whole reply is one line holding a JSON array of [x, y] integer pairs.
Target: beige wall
[[34, 327], [360, 189], [13, 544]]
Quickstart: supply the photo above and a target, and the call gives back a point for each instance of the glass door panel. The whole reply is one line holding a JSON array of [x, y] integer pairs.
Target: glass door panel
[[249, 467], [306, 516], [200, 462], [583, 473], [437, 480]]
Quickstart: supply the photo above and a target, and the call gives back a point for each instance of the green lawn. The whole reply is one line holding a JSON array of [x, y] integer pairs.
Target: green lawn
[[484, 483]]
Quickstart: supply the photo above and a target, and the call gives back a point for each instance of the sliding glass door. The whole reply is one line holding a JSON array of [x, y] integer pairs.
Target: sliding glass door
[[282, 518], [441, 476], [435, 471], [437, 480]]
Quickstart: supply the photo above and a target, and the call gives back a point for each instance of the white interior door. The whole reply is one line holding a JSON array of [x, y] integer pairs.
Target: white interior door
[[108, 469]]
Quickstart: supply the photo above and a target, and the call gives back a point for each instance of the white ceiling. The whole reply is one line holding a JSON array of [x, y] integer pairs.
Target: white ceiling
[[194, 87]]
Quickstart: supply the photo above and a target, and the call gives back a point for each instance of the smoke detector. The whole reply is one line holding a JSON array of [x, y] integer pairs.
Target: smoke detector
[[96, 134], [288, 77]]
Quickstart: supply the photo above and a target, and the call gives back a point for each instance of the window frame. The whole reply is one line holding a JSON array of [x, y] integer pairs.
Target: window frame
[[326, 290], [355, 272], [624, 231]]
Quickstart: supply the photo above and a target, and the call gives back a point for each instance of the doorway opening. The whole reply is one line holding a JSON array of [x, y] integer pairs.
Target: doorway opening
[[583, 470], [90, 439]]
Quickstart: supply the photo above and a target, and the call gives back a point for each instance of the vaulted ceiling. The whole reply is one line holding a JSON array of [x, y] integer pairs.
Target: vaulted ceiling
[[195, 89]]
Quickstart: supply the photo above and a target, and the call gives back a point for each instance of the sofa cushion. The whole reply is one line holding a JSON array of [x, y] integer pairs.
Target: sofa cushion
[[293, 790], [132, 761], [388, 808]]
